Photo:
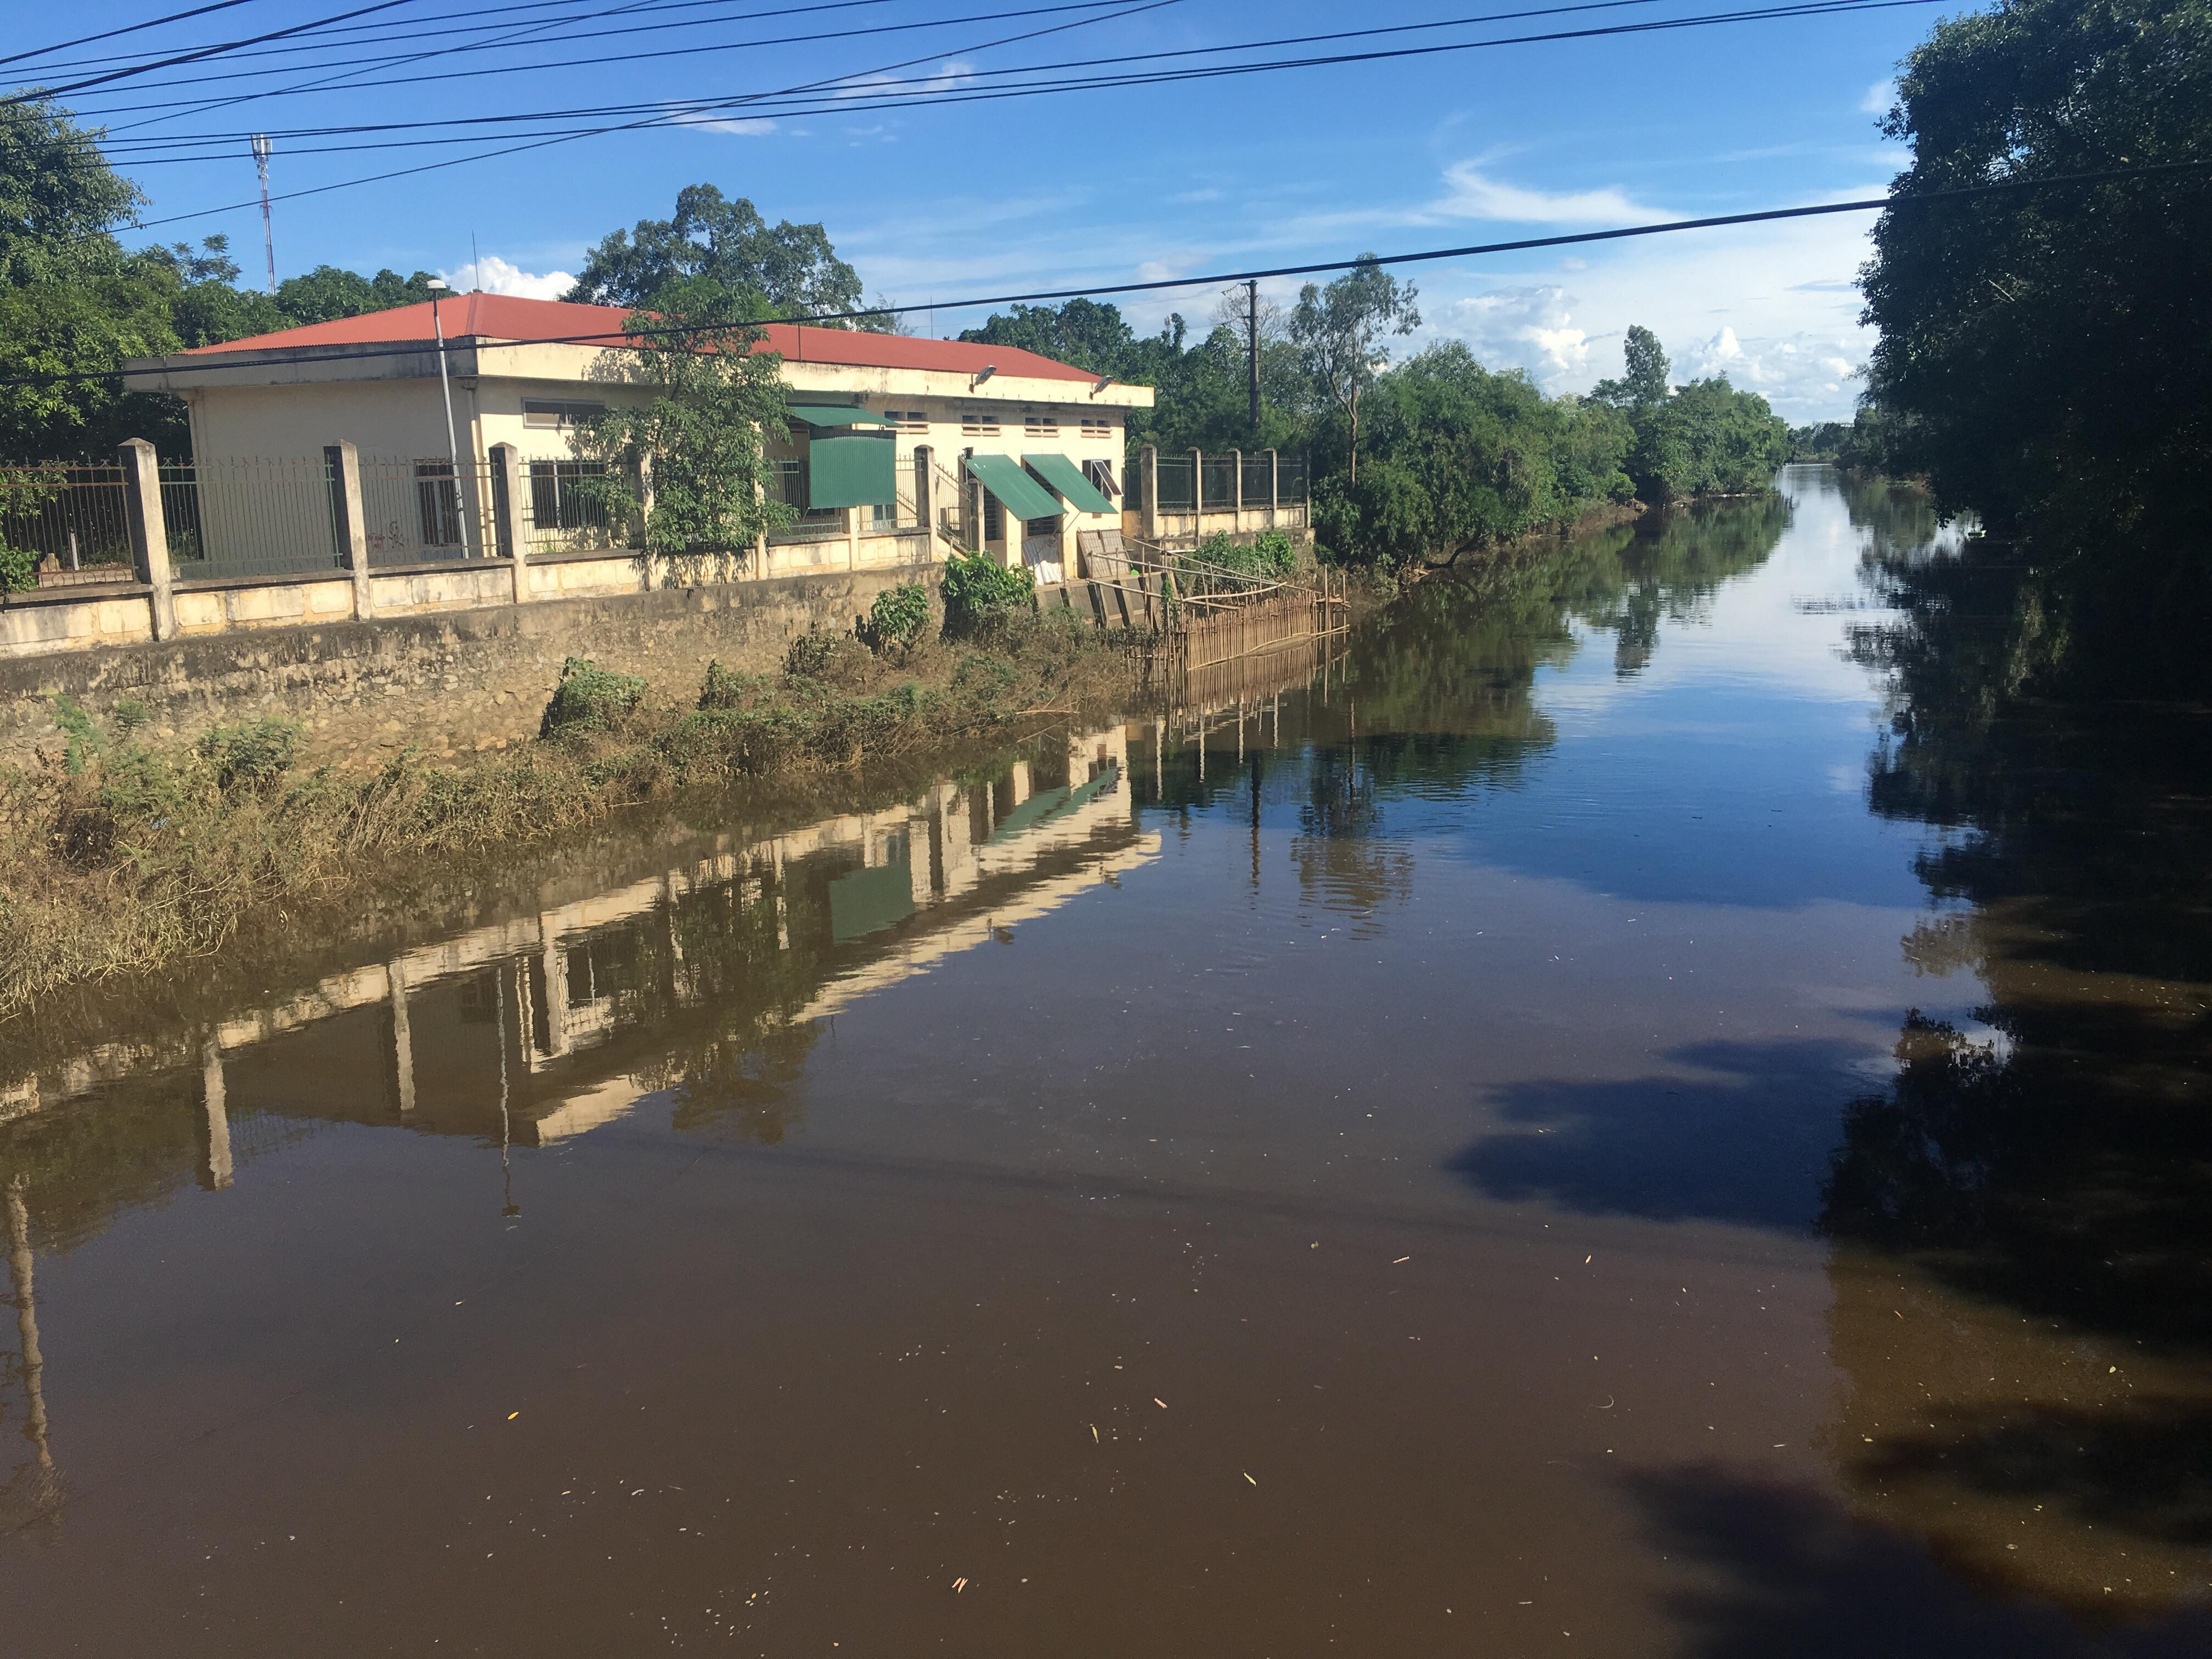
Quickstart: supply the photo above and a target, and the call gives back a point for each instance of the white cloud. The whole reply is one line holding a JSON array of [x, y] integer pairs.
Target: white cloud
[[1528, 328], [1879, 97], [1766, 305], [751, 126], [496, 275], [952, 73], [1474, 195]]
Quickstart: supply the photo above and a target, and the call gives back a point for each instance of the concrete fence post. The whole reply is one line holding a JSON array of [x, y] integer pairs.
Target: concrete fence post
[[1197, 497], [149, 532], [351, 525], [507, 487], [924, 459], [1148, 461], [1236, 490], [1274, 488]]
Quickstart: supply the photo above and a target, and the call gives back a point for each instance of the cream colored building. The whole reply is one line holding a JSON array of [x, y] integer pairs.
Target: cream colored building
[[989, 446]]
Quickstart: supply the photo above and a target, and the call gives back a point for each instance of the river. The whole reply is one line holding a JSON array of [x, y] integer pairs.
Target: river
[[1607, 1114]]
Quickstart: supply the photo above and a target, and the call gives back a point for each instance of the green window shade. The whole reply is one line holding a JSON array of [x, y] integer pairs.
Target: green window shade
[[1068, 483], [835, 415], [868, 901], [849, 471], [1024, 496]]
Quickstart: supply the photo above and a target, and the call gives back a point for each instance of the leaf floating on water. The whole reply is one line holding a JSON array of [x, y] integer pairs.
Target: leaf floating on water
[[511, 1416], [1402, 1258], [1161, 1403], [959, 1584], [1249, 1478], [1093, 1434]]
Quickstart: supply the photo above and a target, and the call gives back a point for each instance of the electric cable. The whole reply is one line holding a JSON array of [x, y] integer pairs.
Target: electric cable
[[879, 96], [128, 28], [629, 336]]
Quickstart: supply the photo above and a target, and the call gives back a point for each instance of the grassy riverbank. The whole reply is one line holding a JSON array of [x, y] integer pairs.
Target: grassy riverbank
[[126, 856]]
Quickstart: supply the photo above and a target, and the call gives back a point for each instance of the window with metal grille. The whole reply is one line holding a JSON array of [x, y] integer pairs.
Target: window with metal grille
[[797, 484], [909, 420], [559, 412], [1101, 474], [1041, 426], [979, 423], [437, 503], [1041, 528], [993, 519], [1097, 426], [555, 503]]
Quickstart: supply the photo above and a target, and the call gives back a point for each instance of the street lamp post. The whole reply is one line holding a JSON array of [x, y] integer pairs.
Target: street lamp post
[[452, 439]]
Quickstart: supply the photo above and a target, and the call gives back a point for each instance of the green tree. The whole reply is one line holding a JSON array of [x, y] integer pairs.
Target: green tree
[[2047, 356], [1645, 383], [1341, 329], [72, 303], [1084, 332], [702, 433], [788, 269], [328, 293]]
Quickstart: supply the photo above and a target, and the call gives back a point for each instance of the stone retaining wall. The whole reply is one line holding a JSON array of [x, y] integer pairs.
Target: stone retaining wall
[[451, 681]]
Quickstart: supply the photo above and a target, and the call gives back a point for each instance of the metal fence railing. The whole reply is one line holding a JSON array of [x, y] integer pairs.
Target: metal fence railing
[[78, 516], [250, 517], [1218, 473], [1173, 473]]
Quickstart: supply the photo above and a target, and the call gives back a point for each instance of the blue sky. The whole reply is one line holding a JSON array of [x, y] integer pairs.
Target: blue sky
[[947, 199]]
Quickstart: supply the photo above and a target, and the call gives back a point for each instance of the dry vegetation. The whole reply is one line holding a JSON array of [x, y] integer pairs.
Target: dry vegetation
[[119, 856]]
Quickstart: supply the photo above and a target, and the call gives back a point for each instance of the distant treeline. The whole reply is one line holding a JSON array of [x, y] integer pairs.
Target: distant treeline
[[1424, 459]]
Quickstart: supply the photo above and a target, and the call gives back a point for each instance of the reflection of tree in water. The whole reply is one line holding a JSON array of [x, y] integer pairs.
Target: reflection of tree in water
[[1668, 570], [2026, 1310], [1343, 861], [1899, 518]]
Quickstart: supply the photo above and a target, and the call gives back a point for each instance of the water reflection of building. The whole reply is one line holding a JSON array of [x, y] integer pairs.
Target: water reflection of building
[[529, 1028]]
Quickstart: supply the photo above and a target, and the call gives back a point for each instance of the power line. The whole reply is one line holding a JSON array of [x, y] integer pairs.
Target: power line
[[194, 56], [740, 45], [696, 113], [627, 336], [128, 28], [815, 86], [407, 27], [509, 41], [572, 62]]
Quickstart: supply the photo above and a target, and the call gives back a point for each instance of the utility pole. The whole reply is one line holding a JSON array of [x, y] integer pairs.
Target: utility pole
[[262, 151], [1252, 343]]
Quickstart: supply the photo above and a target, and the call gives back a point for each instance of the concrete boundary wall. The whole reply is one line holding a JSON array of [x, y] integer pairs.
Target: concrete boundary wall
[[438, 665]]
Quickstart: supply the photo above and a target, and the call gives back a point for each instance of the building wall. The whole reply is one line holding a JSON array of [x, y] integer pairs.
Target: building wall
[[396, 421], [450, 681]]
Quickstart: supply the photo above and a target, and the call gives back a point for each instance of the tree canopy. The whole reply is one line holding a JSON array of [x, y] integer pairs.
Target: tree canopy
[[780, 270], [2047, 356]]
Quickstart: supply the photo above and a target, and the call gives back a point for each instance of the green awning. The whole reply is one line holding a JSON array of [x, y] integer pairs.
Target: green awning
[[1051, 802], [835, 415], [851, 471], [1018, 493], [868, 901], [1068, 483]]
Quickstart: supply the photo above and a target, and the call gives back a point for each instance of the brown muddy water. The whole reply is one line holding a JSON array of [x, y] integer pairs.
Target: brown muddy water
[[1589, 1122]]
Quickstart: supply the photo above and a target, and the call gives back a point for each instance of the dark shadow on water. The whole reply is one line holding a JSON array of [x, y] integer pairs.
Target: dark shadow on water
[[1792, 1574], [1746, 1143]]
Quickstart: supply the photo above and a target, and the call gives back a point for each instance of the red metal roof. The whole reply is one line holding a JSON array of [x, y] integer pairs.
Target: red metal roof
[[509, 316]]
